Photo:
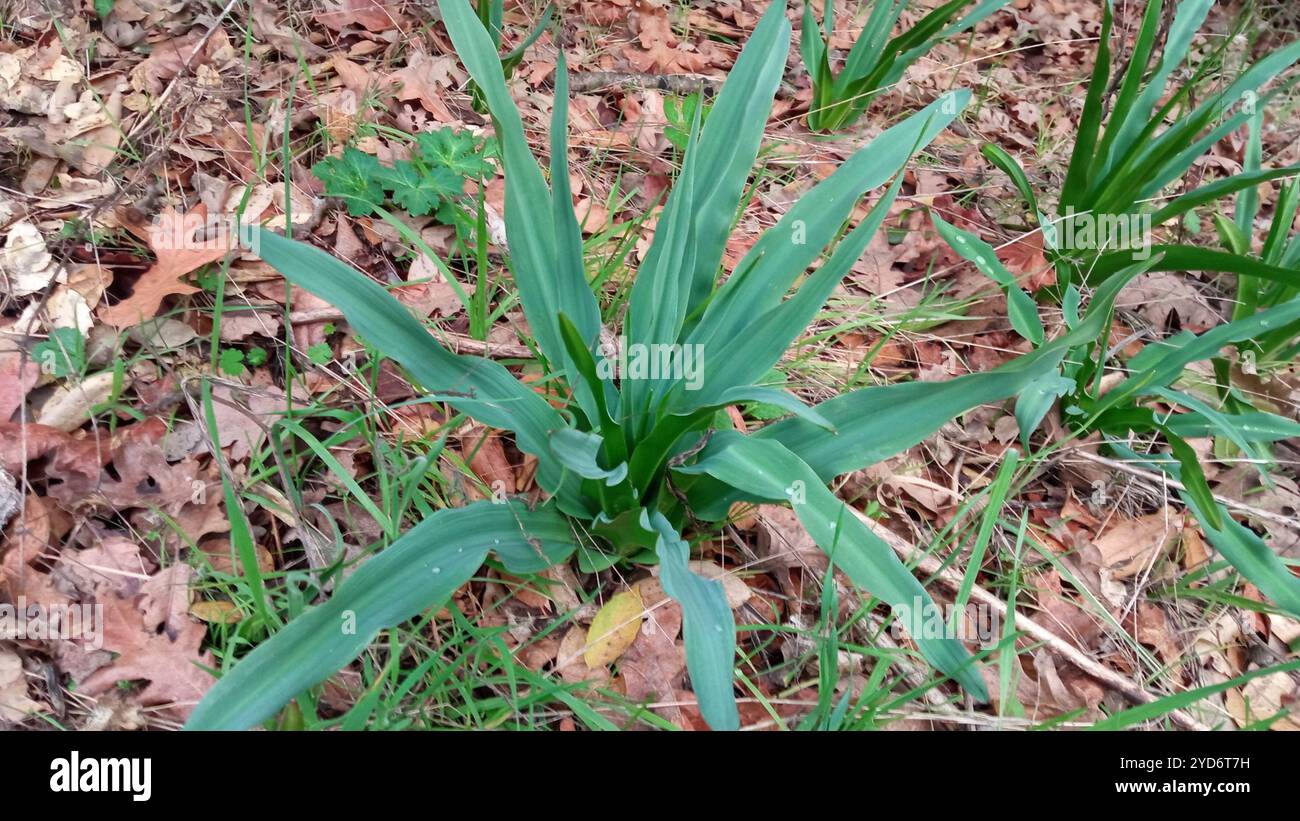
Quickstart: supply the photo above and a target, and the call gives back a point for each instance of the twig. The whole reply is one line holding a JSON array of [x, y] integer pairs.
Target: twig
[[459, 342], [1260, 513], [953, 580], [583, 82], [157, 105]]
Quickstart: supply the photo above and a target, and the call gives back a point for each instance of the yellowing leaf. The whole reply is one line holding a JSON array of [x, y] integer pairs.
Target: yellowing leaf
[[216, 612], [614, 629]]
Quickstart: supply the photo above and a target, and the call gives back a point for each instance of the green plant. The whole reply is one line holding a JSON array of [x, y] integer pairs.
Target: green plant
[[490, 14], [875, 62], [1281, 249], [430, 182], [231, 361], [1157, 373], [62, 354], [680, 114], [1145, 146], [320, 353], [1118, 169], [632, 457]]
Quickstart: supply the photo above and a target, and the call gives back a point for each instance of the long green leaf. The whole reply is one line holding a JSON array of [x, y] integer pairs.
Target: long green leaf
[[1187, 19], [1223, 424], [418, 571], [875, 423], [1154, 710], [722, 161], [1172, 356], [1194, 258], [868, 51], [999, 157], [548, 269], [745, 357], [769, 471], [1078, 177], [1246, 181], [1244, 550], [1254, 426], [1143, 46], [580, 452], [478, 386], [1021, 308], [786, 250], [680, 268], [516, 54], [708, 627]]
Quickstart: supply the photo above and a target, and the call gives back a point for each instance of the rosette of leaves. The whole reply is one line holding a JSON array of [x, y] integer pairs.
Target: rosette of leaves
[[876, 60], [1129, 151], [630, 465]]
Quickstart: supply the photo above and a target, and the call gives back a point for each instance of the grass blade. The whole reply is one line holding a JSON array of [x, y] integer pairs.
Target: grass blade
[[1152, 711]]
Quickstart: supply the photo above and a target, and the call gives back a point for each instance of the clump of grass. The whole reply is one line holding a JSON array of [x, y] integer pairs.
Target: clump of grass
[[876, 60], [1128, 153]]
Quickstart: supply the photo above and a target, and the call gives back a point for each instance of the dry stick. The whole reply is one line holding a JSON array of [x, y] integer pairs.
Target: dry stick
[[185, 65], [951, 579], [461, 343], [1159, 479], [583, 82], [915, 678]]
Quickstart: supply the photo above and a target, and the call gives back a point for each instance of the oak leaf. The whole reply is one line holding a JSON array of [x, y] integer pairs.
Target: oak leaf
[[172, 239]]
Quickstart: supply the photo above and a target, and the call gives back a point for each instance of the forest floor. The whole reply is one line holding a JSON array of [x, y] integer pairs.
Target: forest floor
[[122, 123]]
